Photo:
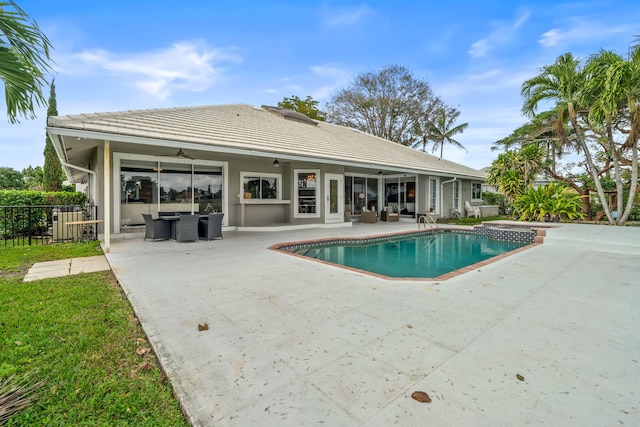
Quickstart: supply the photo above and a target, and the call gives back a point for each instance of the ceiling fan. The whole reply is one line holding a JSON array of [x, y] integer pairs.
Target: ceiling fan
[[181, 155]]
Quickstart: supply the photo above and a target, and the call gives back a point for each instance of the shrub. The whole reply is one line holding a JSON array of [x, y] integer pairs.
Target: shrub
[[40, 198], [15, 222], [548, 203]]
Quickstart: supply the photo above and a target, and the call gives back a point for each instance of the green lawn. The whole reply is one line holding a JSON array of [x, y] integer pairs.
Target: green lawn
[[81, 335]]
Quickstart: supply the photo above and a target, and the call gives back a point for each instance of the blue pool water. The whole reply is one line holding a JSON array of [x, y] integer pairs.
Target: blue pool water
[[425, 256]]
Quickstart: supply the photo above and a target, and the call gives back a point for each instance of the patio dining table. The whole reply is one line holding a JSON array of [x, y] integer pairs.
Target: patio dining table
[[174, 233]]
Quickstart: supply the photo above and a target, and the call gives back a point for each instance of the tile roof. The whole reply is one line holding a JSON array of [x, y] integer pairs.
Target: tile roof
[[244, 127]]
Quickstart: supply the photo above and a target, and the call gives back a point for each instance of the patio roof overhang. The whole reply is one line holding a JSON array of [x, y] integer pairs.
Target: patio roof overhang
[[76, 147]]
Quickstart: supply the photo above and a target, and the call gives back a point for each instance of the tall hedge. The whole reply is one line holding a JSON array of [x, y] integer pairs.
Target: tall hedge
[[41, 198], [35, 221]]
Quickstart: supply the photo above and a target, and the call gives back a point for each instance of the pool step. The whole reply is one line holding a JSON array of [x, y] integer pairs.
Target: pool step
[[308, 252], [314, 252]]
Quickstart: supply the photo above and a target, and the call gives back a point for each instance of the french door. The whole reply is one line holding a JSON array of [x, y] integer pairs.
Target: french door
[[334, 197]]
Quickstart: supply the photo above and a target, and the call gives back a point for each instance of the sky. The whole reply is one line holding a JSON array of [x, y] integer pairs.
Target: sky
[[129, 55]]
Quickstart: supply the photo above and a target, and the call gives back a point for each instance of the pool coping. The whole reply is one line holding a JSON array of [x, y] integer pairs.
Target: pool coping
[[278, 247]]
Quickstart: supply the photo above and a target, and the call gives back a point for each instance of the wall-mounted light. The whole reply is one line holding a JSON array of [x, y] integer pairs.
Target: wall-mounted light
[[276, 163], [380, 172]]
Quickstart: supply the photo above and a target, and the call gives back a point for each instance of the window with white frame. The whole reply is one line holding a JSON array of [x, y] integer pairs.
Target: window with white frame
[[433, 194], [262, 186], [476, 191], [456, 195], [307, 193]]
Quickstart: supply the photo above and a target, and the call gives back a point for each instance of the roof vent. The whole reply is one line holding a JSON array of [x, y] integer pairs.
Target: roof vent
[[291, 115]]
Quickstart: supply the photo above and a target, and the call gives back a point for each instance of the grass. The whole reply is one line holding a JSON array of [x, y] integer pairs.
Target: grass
[[81, 335]]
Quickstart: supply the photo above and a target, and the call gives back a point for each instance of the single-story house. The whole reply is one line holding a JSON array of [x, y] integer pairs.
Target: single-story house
[[261, 166]]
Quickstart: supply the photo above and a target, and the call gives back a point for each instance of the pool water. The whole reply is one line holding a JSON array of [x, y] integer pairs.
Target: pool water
[[427, 256]]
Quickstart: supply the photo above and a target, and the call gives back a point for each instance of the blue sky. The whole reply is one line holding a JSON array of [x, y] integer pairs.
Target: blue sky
[[127, 55]]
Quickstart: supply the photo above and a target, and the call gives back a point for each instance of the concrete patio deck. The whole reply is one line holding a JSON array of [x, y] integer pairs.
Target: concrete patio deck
[[295, 342]]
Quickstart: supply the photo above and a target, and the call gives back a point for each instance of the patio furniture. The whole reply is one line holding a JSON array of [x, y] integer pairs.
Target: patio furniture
[[472, 210], [156, 229], [187, 228], [489, 210], [369, 217], [387, 214], [210, 226]]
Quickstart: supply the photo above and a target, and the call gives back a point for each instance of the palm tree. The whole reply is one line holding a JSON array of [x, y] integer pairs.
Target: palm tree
[[613, 91], [442, 129], [24, 60], [564, 82], [514, 171], [546, 129]]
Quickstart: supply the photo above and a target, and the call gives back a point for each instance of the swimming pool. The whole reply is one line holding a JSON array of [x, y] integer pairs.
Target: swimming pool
[[426, 255]]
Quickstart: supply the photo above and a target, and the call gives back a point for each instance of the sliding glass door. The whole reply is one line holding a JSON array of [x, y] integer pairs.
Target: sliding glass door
[[400, 194], [138, 191], [149, 187], [176, 187], [361, 194]]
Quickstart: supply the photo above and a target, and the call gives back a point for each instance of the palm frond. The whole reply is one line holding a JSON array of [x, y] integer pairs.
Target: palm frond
[[17, 394], [24, 61]]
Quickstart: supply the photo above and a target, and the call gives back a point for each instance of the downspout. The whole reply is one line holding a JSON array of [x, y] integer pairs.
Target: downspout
[[69, 165], [92, 181], [442, 194]]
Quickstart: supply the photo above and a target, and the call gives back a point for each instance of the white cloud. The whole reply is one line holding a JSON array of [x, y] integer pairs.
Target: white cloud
[[319, 83], [479, 48], [294, 88], [439, 43], [502, 33], [331, 78], [327, 70], [580, 30], [184, 66], [346, 17], [492, 84], [490, 102]]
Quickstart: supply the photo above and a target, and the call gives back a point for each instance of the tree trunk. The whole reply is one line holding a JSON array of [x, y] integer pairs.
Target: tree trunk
[[590, 164], [632, 141], [634, 184]]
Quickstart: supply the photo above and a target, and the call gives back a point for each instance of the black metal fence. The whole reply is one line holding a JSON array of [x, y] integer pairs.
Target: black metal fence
[[42, 225]]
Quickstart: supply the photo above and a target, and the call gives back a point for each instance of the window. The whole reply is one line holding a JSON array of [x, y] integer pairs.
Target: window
[[361, 193], [261, 186], [476, 191], [456, 195], [307, 197], [433, 195], [400, 194], [176, 187], [152, 185], [208, 188]]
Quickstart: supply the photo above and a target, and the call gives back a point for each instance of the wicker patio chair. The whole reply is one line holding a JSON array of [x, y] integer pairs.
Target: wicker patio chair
[[210, 227], [187, 228], [156, 229]]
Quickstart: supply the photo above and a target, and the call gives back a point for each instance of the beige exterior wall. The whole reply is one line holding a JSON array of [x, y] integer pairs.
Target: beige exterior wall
[[257, 214]]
